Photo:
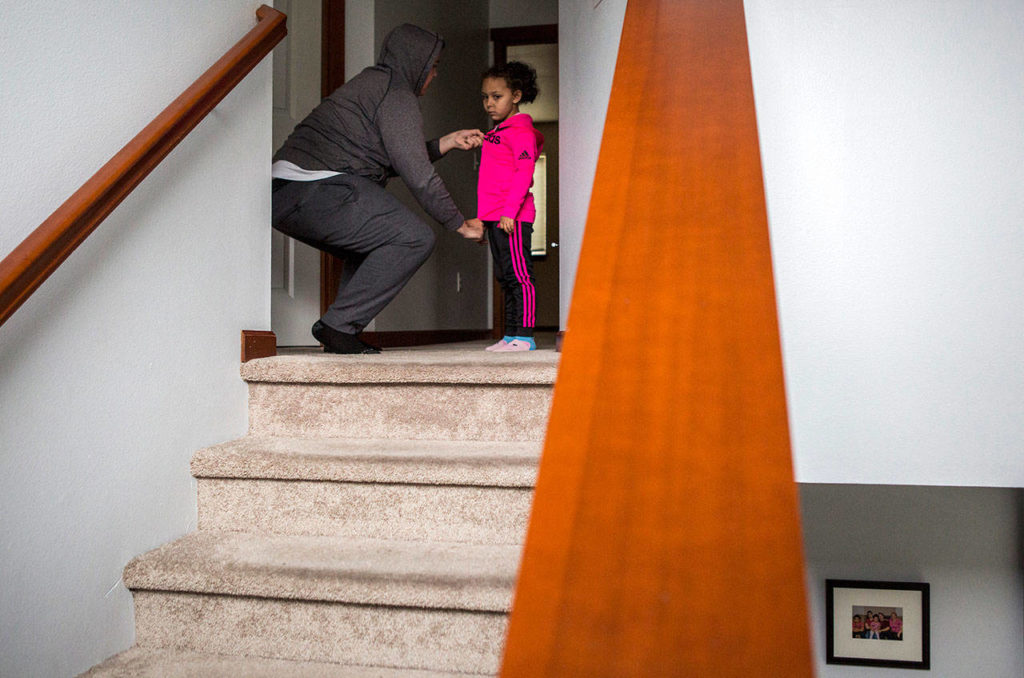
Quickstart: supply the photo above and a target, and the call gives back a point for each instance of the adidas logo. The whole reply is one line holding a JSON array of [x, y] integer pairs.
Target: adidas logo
[[524, 156]]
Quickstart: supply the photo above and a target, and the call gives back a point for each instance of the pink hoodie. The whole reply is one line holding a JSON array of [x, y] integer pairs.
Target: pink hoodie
[[510, 151]]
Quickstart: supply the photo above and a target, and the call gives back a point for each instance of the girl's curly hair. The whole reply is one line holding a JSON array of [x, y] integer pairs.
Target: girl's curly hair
[[518, 76]]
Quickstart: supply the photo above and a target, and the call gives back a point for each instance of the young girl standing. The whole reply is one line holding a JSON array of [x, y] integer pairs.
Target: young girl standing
[[504, 201]]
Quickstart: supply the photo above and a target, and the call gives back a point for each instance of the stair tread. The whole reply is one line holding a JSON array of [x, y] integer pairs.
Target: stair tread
[[363, 571], [408, 366], [159, 663], [420, 462]]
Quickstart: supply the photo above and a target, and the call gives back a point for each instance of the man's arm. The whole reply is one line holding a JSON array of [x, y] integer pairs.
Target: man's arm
[[463, 139], [401, 128]]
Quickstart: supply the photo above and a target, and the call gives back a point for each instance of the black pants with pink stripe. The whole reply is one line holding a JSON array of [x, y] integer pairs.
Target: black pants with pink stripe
[[513, 267]]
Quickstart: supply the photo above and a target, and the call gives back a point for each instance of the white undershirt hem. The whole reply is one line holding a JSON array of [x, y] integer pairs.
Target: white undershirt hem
[[282, 169]]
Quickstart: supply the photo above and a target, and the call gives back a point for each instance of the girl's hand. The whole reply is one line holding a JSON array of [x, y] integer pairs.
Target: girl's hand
[[507, 224]]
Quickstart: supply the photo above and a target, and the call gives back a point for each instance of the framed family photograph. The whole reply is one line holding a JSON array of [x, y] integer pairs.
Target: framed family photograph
[[877, 623]]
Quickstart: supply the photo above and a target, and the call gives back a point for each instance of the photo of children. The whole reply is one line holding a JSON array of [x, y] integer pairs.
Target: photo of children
[[884, 623]]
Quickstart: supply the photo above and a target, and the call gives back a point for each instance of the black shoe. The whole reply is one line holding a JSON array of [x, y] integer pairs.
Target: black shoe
[[340, 342]]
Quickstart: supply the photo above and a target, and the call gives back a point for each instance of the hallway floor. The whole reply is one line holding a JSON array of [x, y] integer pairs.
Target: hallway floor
[[471, 351]]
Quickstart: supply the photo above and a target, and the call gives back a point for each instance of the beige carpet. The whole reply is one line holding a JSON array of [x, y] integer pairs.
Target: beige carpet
[[370, 524]]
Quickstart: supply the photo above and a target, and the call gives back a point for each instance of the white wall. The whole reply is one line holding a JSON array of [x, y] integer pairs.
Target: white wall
[[295, 266], [892, 140], [360, 46], [126, 360], [588, 45], [964, 542]]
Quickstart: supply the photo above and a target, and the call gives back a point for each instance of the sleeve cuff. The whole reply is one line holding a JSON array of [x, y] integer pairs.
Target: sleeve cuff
[[434, 150], [456, 221]]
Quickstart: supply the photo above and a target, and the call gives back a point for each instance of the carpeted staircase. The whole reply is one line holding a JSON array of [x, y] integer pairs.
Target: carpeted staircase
[[369, 525]]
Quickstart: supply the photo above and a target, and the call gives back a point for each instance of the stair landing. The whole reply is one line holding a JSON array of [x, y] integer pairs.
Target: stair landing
[[447, 364], [425, 394]]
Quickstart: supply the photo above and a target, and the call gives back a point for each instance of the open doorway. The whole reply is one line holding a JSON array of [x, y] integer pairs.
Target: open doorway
[[309, 64], [299, 80], [448, 298]]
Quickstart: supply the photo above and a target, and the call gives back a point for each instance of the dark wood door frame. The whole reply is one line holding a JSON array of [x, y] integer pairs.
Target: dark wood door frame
[[503, 38], [332, 76]]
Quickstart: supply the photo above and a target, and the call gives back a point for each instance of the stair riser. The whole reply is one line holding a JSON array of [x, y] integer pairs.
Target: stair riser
[[158, 663], [483, 515], [400, 411], [440, 640]]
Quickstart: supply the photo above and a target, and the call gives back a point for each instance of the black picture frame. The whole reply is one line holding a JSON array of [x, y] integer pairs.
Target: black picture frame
[[848, 599]]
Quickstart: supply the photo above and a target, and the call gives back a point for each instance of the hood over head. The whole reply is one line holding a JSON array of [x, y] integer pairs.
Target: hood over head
[[409, 52]]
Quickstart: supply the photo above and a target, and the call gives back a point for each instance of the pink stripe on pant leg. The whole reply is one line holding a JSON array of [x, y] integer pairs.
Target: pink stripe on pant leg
[[515, 253], [522, 275], [514, 250], [530, 302], [529, 282]]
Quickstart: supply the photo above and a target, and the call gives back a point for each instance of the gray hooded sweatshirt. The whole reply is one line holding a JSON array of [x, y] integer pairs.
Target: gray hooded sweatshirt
[[372, 126]]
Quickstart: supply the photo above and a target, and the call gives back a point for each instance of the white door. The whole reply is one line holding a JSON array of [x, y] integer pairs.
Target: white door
[[295, 267]]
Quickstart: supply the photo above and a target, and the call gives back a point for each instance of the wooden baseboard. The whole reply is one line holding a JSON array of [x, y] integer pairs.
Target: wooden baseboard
[[422, 337], [258, 344], [559, 337]]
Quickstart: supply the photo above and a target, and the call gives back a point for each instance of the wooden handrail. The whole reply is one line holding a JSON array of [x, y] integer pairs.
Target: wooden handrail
[[665, 536], [30, 263]]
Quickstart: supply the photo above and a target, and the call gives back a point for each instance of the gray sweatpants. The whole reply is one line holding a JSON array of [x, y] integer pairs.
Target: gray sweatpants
[[380, 240]]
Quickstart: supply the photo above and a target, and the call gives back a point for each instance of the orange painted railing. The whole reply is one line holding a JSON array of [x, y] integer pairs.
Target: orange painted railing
[[665, 536], [30, 263]]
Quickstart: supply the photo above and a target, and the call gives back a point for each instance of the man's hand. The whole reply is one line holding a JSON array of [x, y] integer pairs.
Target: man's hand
[[472, 229], [463, 139]]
